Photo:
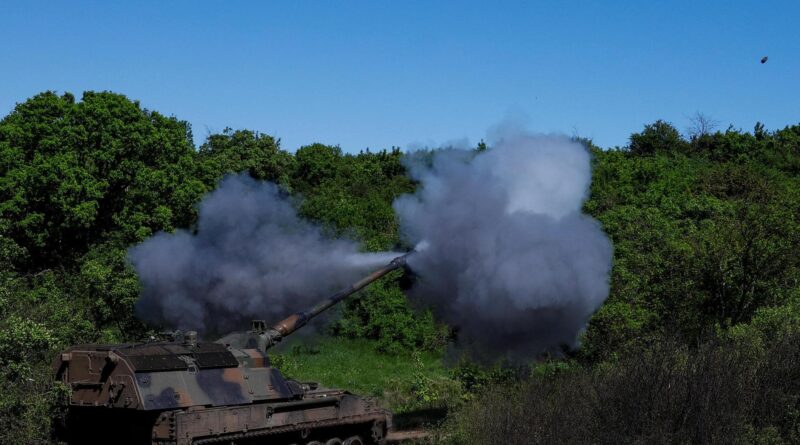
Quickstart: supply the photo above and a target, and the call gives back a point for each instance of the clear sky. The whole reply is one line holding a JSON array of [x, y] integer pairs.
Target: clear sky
[[378, 73]]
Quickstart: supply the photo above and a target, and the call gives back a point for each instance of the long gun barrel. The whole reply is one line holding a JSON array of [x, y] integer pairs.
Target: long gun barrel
[[295, 321]]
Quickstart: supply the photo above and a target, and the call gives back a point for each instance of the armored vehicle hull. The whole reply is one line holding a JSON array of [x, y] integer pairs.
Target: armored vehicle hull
[[168, 393]]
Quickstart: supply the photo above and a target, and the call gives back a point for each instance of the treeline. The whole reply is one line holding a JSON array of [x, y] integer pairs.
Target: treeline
[[705, 232]]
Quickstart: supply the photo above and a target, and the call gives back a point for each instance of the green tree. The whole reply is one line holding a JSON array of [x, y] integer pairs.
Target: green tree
[[382, 313], [245, 151], [702, 237], [657, 137], [316, 164], [78, 173]]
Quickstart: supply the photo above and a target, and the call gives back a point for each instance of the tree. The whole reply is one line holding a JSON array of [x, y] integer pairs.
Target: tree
[[657, 137], [245, 151], [700, 125], [79, 173], [316, 163]]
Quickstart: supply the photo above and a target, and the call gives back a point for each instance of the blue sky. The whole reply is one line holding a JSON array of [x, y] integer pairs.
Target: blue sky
[[376, 74]]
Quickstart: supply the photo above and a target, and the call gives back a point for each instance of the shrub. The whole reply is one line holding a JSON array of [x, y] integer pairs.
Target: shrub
[[730, 389], [383, 313]]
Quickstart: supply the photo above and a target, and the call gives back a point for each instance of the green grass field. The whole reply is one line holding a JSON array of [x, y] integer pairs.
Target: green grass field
[[412, 382]]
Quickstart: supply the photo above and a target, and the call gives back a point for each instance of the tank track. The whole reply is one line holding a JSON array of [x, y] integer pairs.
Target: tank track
[[377, 433]]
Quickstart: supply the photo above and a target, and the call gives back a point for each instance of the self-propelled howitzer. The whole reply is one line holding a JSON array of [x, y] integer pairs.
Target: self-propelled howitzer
[[185, 392]]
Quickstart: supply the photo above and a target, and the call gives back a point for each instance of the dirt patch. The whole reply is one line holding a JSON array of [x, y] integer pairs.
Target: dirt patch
[[406, 436]]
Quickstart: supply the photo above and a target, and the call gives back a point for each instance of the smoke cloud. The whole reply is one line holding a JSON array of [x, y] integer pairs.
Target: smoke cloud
[[508, 257], [504, 253], [251, 257]]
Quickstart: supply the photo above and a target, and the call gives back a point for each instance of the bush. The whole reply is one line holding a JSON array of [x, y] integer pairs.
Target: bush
[[27, 393], [730, 389], [383, 313]]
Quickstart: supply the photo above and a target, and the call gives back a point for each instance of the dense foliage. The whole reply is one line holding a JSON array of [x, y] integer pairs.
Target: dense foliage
[[705, 233], [742, 387], [704, 289]]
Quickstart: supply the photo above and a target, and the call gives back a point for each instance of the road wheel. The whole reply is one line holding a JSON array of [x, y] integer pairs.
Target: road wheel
[[354, 440]]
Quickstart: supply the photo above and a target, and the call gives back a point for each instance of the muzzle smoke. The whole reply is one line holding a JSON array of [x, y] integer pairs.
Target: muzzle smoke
[[504, 253], [509, 258], [251, 257]]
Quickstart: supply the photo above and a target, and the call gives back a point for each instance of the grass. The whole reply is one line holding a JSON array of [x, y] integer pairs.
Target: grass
[[406, 383]]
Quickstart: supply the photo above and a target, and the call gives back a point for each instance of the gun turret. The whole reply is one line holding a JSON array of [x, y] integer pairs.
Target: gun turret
[[268, 337]]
